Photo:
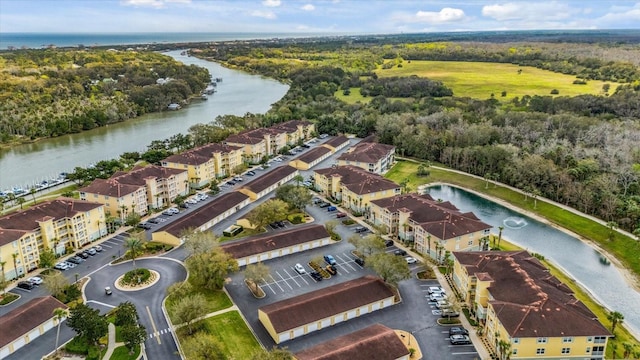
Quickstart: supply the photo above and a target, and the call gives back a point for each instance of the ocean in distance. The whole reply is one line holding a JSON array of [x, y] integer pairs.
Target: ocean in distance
[[43, 40]]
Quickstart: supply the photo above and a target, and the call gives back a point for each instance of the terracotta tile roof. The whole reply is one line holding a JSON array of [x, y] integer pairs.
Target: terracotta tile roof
[[541, 307], [201, 155], [204, 214], [336, 141], [323, 303], [369, 152], [243, 139], [358, 180], [441, 219], [254, 136], [110, 188], [139, 174], [27, 317], [271, 178], [292, 125], [20, 222], [313, 154], [375, 342], [273, 241]]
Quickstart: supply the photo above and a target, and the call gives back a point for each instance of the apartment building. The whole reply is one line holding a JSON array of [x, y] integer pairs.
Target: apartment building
[[434, 227], [541, 319], [206, 163], [354, 187], [62, 225], [296, 130], [370, 156], [141, 189]]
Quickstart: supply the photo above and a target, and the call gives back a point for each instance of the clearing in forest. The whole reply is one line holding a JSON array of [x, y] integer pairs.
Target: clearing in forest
[[481, 79]]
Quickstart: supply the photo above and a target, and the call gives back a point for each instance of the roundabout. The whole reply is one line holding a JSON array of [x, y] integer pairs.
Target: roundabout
[[123, 285]]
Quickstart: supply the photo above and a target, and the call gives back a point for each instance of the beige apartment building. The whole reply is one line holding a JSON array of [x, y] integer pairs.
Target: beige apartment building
[[370, 156], [206, 163], [62, 225]]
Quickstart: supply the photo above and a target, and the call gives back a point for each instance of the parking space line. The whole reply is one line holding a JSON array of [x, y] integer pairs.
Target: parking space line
[[105, 245], [276, 282], [285, 281], [291, 277], [348, 263], [303, 278], [268, 285]]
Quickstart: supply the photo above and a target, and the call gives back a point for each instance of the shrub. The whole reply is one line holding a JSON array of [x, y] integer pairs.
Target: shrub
[[136, 276], [555, 92], [348, 222], [153, 247], [77, 345], [296, 219]]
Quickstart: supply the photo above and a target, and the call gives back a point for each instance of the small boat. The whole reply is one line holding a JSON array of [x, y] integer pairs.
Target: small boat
[[204, 97], [173, 106]]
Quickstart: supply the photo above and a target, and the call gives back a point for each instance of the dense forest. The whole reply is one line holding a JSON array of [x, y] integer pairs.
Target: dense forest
[[581, 151], [51, 92]]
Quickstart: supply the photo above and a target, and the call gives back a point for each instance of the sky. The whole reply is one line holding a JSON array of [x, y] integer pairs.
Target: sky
[[312, 16]]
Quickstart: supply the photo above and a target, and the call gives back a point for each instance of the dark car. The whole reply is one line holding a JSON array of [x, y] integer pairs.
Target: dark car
[[251, 173], [83, 255], [400, 252], [458, 330], [153, 221], [231, 183], [360, 229], [144, 226], [25, 285], [388, 243], [359, 261], [316, 276], [332, 208], [305, 146], [280, 223], [324, 204], [340, 215]]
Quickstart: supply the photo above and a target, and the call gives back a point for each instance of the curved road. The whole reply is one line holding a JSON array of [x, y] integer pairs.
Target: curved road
[[160, 343]]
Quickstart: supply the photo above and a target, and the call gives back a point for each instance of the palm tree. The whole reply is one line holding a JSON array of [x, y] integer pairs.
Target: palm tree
[[616, 318], [58, 315], [429, 244], [20, 201], [2, 279], [134, 245], [33, 191], [298, 179], [15, 264], [505, 349], [500, 228]]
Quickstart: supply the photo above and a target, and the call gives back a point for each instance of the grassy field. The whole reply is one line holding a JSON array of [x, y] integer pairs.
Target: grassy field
[[234, 335], [216, 300], [479, 80]]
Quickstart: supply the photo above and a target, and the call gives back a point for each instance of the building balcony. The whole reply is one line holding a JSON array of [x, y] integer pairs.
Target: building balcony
[[481, 312]]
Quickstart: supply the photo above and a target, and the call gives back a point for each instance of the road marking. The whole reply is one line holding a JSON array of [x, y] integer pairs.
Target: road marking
[[105, 245], [101, 303], [464, 353], [291, 277], [285, 281], [276, 282], [269, 286], [153, 324]]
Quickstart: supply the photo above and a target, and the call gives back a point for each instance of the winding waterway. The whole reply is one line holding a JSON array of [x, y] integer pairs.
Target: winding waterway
[[237, 94], [582, 262]]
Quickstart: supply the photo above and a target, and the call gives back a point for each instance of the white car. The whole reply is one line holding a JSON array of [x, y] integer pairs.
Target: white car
[[61, 266], [437, 297], [442, 304], [300, 269], [435, 289], [411, 260], [193, 201], [35, 280], [69, 264]]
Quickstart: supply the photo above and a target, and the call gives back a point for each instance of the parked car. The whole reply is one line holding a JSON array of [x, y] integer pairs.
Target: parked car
[[61, 266], [153, 221], [332, 269], [437, 297], [359, 261], [237, 178], [458, 330], [300, 269], [459, 339], [281, 224], [435, 289], [360, 229], [388, 243], [70, 265], [442, 304], [231, 183], [183, 205], [324, 205], [83, 255], [75, 259], [340, 215], [91, 251], [400, 252], [25, 285], [167, 212], [98, 248], [305, 146], [250, 173], [332, 208], [330, 260], [146, 226], [316, 276], [411, 260], [193, 201], [35, 280], [448, 313], [317, 201]]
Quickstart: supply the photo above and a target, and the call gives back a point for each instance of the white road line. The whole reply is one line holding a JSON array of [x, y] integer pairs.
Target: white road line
[[285, 281], [303, 278], [269, 286], [276, 282], [105, 245], [464, 353], [101, 303], [291, 277]]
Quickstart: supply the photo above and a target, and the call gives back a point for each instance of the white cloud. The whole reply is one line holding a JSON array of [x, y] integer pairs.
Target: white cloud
[[535, 11], [158, 4], [445, 15], [308, 7], [263, 14], [271, 3]]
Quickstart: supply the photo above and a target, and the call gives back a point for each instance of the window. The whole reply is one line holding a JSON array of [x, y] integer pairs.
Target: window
[[542, 340], [516, 340], [589, 339], [514, 352], [470, 242], [567, 340], [600, 339], [588, 350], [540, 351], [566, 350]]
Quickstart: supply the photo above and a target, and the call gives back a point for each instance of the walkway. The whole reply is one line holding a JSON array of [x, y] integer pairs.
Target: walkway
[[112, 345]]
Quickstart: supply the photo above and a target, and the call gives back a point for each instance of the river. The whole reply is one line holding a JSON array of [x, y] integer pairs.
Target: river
[[583, 263], [237, 94]]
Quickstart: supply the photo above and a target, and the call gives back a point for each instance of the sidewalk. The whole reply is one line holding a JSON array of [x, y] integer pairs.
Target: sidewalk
[[112, 342]]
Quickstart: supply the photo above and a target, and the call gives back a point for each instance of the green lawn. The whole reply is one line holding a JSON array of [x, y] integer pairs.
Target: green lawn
[[352, 98], [233, 333], [122, 353], [216, 300], [480, 79], [621, 247]]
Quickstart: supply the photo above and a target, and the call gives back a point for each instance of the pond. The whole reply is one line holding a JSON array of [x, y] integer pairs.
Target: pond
[[580, 261]]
